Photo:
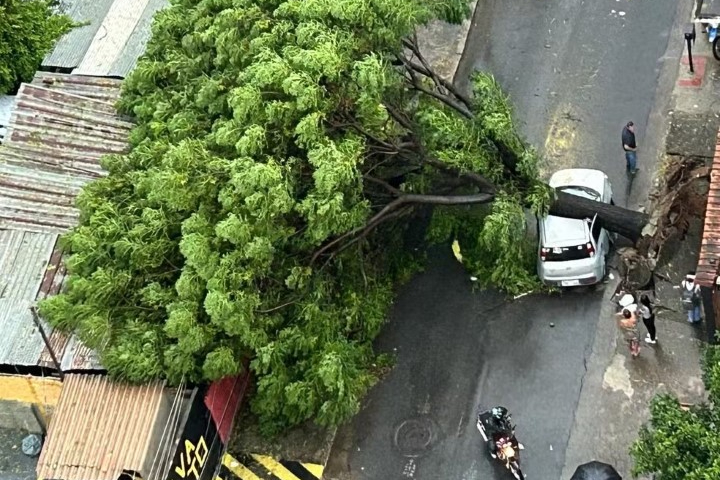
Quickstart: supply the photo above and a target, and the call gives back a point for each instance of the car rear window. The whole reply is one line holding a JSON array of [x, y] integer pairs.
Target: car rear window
[[561, 254]]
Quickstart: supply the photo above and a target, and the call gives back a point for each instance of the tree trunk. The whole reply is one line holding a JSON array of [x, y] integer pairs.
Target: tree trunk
[[627, 223]]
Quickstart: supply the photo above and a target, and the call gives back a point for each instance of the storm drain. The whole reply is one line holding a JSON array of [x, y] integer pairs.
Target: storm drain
[[415, 436]]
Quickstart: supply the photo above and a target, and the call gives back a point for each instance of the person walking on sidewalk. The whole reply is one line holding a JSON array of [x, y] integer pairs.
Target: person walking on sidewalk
[[630, 147], [648, 317], [690, 295]]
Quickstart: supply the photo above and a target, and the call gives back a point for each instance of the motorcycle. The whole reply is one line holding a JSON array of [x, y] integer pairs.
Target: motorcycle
[[508, 448], [707, 15]]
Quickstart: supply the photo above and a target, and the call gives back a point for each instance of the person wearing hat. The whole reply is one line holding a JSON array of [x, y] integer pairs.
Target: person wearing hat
[[630, 147], [690, 297]]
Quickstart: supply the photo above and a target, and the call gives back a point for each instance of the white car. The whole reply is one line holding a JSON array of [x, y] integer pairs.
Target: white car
[[573, 252]]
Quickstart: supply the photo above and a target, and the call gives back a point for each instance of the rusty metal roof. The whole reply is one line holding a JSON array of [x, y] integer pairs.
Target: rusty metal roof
[[54, 143], [101, 428], [72, 354], [709, 259], [23, 260], [112, 40], [53, 146], [31, 269], [97, 88]]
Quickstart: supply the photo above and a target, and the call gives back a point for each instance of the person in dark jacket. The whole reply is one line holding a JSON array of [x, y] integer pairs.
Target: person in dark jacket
[[648, 318], [630, 147]]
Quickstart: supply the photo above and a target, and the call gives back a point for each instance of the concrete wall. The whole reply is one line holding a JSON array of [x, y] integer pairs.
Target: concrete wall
[[17, 396]]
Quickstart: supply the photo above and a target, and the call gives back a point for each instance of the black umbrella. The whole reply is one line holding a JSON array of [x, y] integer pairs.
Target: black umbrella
[[596, 471]]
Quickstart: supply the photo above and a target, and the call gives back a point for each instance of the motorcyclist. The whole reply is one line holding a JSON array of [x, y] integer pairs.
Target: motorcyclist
[[499, 427]]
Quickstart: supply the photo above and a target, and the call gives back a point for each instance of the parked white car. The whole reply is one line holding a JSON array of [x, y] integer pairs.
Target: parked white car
[[573, 252]]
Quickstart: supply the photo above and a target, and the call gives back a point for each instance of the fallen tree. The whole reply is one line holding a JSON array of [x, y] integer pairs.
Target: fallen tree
[[628, 223], [281, 152]]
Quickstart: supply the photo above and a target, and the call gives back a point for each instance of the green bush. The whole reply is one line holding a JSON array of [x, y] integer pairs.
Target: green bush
[[28, 31]]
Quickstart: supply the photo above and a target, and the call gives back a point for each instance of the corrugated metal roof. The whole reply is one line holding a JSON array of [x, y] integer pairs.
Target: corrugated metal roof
[[113, 41], [54, 143], [97, 88], [709, 258], [72, 354], [70, 49], [135, 46], [23, 261], [101, 427]]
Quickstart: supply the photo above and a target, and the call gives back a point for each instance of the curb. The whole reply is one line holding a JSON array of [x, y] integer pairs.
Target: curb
[[257, 467], [462, 38]]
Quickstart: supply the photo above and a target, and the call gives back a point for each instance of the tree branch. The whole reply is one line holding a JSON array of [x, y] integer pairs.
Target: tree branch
[[416, 51], [403, 200], [270, 310], [384, 184], [486, 185], [368, 229], [399, 117], [446, 100], [444, 83]]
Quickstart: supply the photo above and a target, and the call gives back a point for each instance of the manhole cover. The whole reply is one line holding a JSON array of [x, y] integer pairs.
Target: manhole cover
[[415, 436]]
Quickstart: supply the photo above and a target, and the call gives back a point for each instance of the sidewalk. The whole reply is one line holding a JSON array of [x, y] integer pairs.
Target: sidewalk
[[442, 44], [617, 390]]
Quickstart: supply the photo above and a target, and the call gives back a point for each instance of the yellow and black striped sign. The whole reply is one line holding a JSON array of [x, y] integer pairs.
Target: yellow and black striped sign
[[263, 467]]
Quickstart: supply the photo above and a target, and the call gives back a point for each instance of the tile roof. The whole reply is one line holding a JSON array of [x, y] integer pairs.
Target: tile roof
[[113, 39], [101, 428], [709, 258], [53, 146]]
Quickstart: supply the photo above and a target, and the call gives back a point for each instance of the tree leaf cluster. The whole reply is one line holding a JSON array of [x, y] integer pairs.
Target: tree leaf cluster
[[28, 30], [683, 443]]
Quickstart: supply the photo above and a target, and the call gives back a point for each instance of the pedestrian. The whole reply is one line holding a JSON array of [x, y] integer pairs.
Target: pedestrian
[[690, 296], [627, 323], [648, 318], [630, 147]]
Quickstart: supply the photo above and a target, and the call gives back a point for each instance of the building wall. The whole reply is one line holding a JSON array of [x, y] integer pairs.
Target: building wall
[[19, 393]]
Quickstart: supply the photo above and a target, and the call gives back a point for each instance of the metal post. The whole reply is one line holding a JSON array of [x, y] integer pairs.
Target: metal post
[[38, 323], [689, 34]]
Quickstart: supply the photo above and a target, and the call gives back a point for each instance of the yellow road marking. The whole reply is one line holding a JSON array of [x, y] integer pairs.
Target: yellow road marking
[[560, 140], [314, 468], [274, 467], [238, 468]]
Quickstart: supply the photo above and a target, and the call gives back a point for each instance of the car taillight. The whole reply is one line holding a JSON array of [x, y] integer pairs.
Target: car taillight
[[543, 253], [590, 249]]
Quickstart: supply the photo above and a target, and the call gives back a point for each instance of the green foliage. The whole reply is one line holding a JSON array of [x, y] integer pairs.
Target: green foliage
[[237, 226], [683, 444], [28, 30]]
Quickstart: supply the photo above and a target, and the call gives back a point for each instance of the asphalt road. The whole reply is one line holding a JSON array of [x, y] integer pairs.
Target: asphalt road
[[576, 72]]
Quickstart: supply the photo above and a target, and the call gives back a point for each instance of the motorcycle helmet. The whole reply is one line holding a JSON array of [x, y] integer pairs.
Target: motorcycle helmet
[[498, 413]]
